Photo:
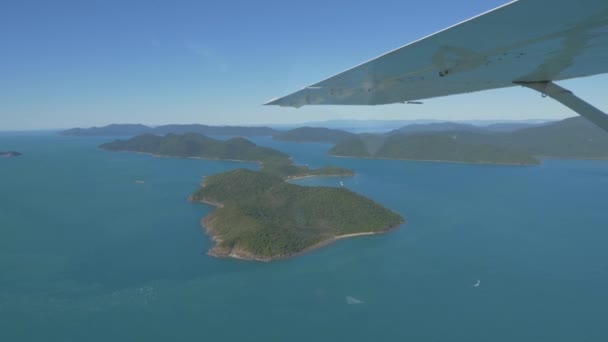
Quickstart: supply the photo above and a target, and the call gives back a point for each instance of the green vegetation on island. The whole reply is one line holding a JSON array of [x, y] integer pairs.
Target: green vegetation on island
[[261, 217], [443, 146], [313, 134], [197, 145], [291, 171], [193, 145], [574, 138]]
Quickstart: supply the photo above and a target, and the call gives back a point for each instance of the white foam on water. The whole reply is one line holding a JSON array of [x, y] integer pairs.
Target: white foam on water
[[352, 300]]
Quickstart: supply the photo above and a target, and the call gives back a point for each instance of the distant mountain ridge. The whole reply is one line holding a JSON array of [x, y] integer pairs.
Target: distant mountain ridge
[[136, 129], [316, 130], [300, 134], [437, 127], [511, 127], [109, 130], [382, 126], [314, 134], [464, 127]]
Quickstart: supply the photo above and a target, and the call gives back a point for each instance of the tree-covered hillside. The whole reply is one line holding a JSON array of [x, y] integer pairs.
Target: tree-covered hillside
[[463, 147], [263, 217], [574, 137], [570, 138], [196, 145]]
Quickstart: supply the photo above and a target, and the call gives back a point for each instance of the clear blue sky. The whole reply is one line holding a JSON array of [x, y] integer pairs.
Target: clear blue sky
[[83, 63]]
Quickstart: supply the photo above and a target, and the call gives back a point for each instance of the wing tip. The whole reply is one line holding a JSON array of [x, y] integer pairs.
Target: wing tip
[[280, 101], [272, 102]]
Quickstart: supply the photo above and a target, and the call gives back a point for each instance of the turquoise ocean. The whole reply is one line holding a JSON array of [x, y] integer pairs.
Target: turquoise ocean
[[89, 254]]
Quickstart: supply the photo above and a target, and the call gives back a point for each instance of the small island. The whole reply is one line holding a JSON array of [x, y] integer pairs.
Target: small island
[[259, 216], [10, 154]]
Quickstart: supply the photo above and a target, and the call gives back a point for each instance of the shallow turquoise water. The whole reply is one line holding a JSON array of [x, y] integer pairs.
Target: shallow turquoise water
[[87, 254]]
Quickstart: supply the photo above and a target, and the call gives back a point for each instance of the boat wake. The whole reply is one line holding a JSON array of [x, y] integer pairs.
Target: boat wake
[[352, 300]]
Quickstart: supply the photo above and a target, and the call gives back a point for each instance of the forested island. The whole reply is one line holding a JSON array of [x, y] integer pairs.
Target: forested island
[[259, 216], [574, 138], [463, 147], [193, 145], [10, 154]]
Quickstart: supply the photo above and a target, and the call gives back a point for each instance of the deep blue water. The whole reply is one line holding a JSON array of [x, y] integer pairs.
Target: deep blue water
[[87, 254]]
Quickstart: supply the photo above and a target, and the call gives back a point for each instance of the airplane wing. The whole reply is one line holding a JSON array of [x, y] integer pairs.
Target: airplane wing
[[525, 42]]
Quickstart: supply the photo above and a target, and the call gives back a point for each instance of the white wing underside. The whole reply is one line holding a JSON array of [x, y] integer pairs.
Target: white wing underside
[[522, 41]]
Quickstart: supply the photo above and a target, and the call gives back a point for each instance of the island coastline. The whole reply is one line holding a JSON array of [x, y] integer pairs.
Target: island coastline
[[218, 252], [179, 157], [292, 178], [436, 161]]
